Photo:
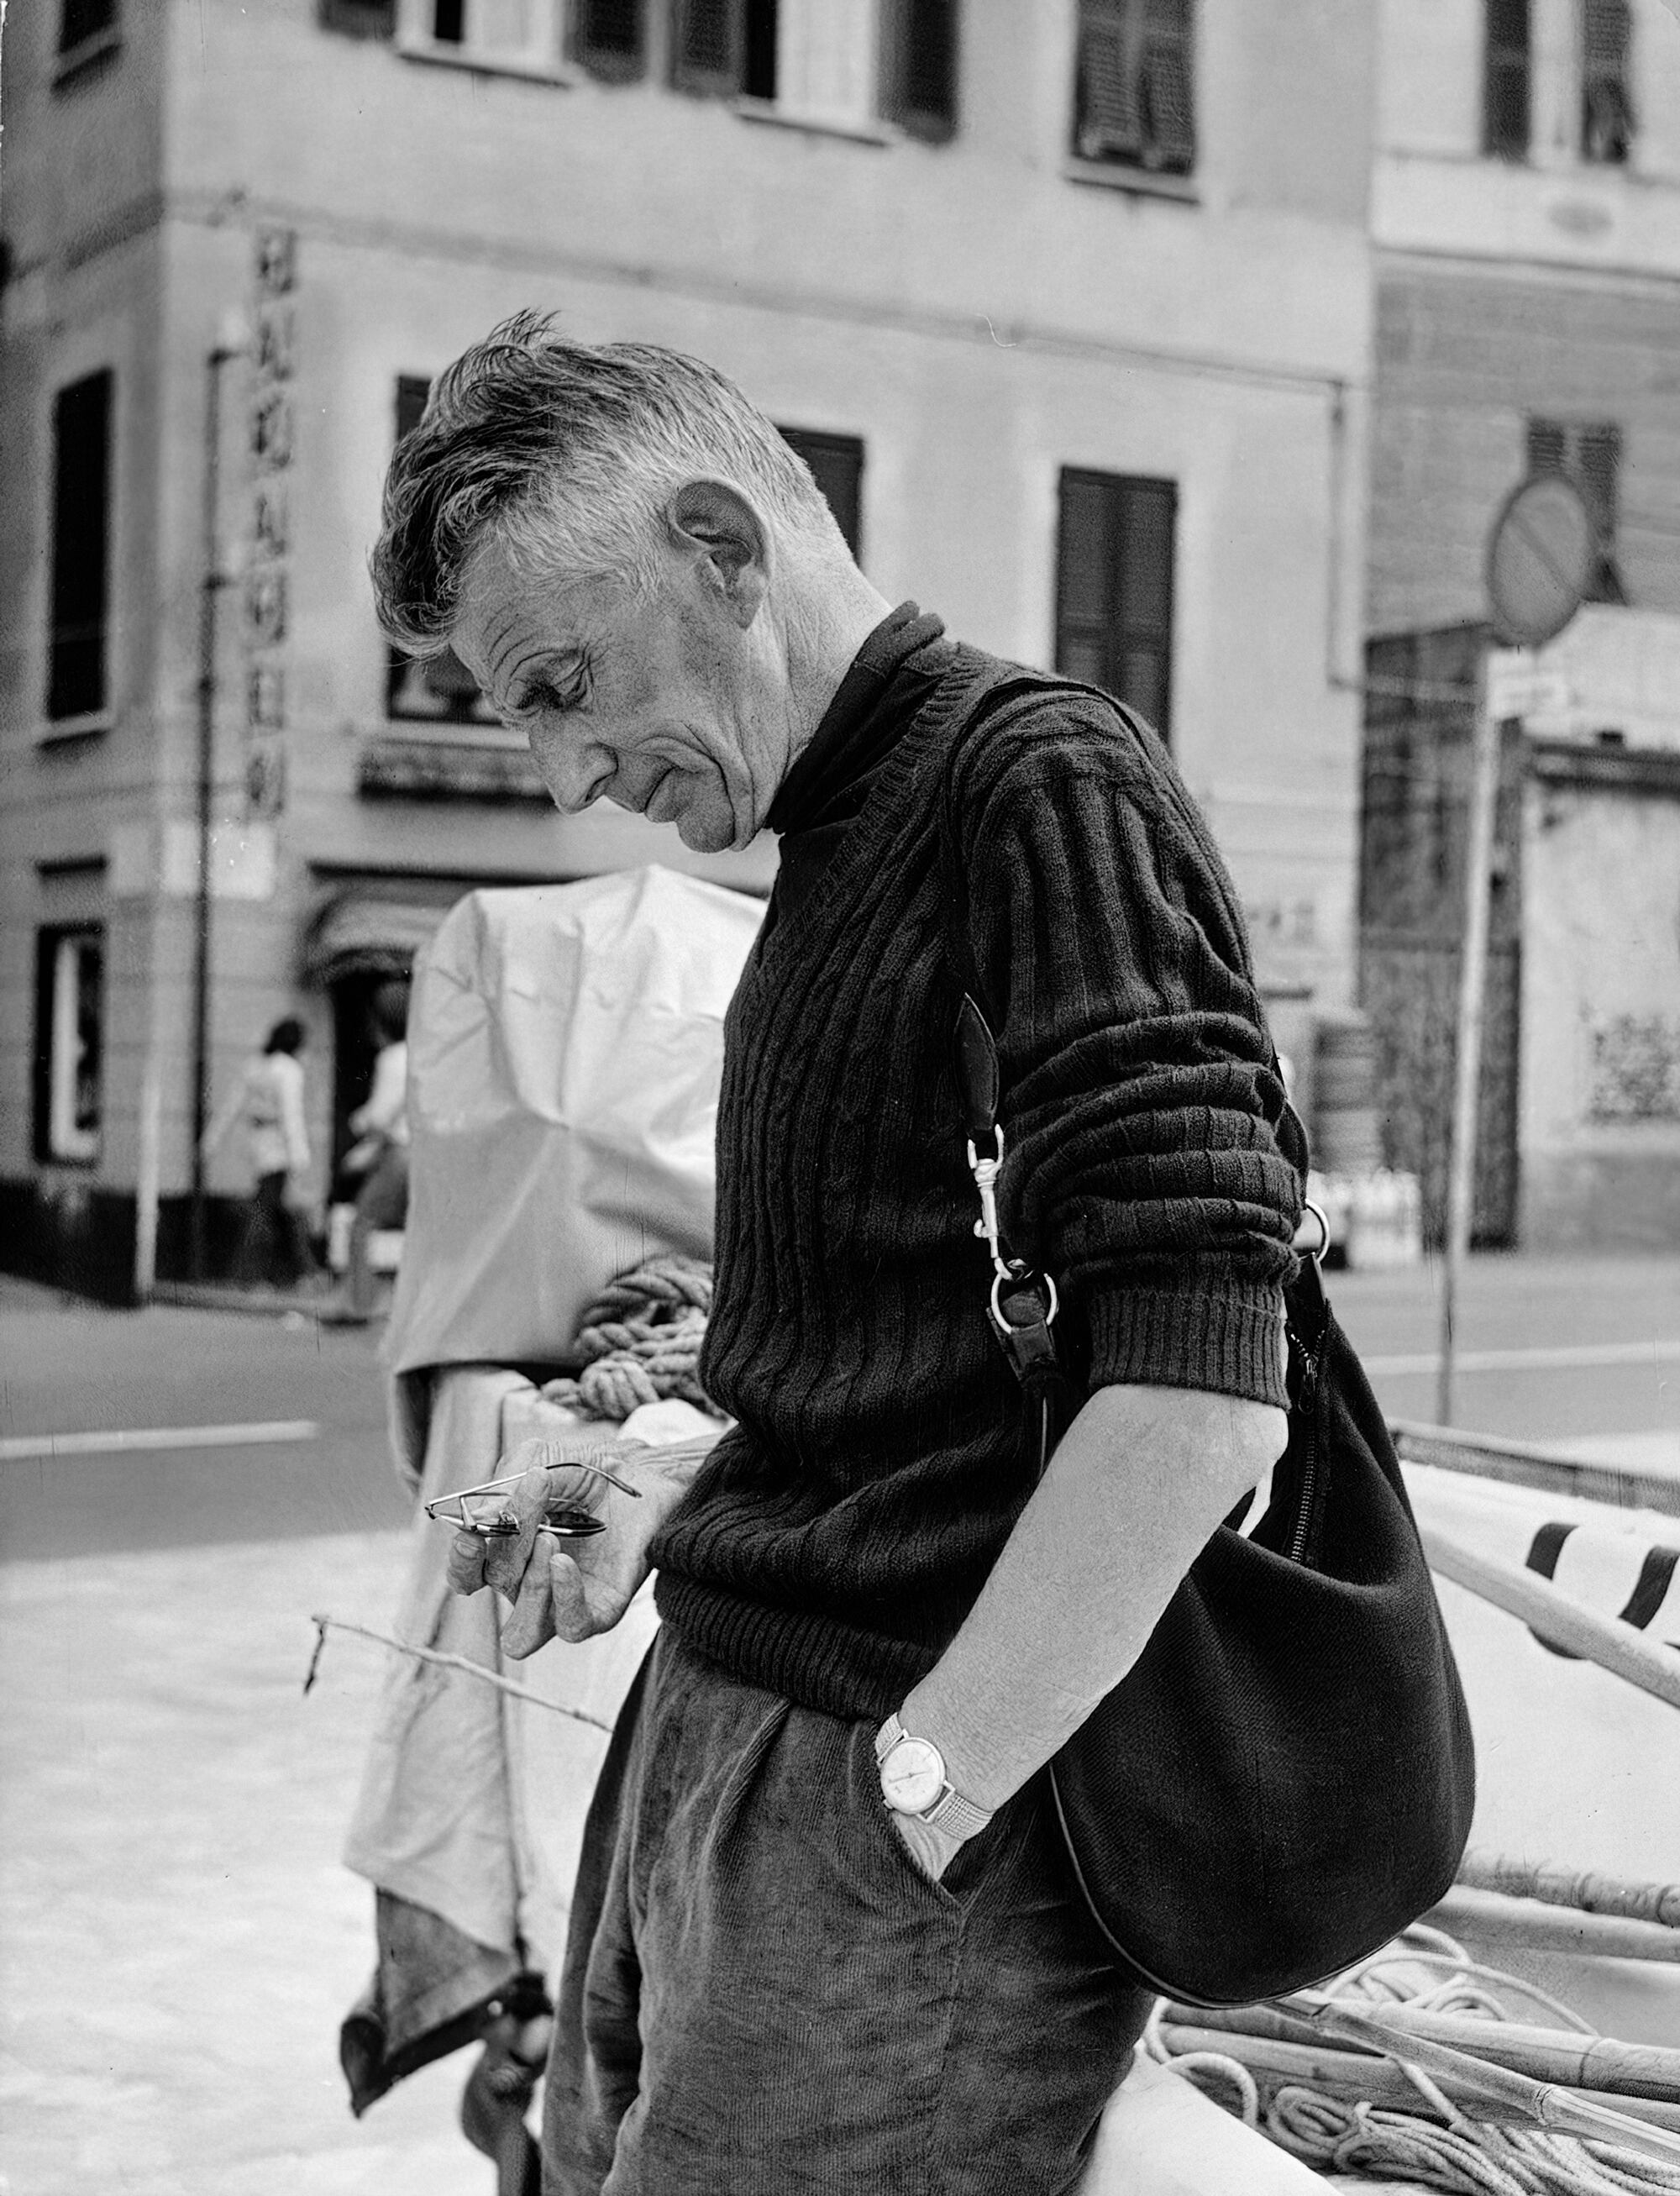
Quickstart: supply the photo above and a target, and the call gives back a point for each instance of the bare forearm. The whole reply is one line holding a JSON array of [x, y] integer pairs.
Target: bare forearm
[[1139, 1482]]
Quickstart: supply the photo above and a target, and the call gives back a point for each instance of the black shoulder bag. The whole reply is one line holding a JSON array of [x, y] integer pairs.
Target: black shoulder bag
[[1284, 1778]]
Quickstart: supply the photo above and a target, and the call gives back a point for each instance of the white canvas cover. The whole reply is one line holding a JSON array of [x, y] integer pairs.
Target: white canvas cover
[[565, 1045]]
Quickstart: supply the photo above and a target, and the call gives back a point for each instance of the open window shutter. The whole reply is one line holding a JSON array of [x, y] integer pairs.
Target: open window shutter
[[1607, 114], [707, 46], [1165, 80], [1505, 105], [920, 88], [608, 36], [1109, 121]]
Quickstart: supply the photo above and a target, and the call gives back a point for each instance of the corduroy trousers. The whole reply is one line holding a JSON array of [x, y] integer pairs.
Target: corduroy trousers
[[764, 1996]]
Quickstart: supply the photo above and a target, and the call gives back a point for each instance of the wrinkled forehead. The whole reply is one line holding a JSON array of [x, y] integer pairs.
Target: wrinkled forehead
[[505, 613]]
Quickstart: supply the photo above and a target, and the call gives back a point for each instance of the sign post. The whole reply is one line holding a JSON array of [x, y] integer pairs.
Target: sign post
[[1466, 1047], [1540, 560]]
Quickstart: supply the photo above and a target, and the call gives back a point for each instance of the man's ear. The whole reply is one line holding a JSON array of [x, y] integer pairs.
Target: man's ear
[[715, 524]]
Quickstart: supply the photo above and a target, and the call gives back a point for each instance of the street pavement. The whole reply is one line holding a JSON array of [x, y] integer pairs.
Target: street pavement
[[178, 1938]]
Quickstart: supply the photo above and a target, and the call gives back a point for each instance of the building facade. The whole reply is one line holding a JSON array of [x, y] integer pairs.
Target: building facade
[[1525, 227], [1525, 220], [1069, 307]]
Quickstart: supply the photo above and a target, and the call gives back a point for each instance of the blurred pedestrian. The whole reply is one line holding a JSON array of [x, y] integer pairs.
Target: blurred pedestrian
[[381, 1154], [267, 1107]]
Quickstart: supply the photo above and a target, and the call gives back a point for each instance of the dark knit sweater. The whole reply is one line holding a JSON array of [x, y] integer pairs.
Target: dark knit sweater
[[837, 1536]]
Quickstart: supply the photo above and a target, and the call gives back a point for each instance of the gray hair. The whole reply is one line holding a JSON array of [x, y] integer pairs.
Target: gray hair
[[569, 450]]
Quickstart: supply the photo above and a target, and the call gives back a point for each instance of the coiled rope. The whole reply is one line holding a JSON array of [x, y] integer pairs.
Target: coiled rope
[[1439, 2145], [639, 1341]]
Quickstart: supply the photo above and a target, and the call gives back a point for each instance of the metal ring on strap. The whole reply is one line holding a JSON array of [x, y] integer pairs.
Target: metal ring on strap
[[1323, 1219], [1015, 1280]]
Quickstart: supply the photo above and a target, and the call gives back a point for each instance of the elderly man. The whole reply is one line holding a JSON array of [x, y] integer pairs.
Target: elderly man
[[824, 1936]]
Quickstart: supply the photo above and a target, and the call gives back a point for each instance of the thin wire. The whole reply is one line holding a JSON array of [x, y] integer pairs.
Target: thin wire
[[458, 1663]]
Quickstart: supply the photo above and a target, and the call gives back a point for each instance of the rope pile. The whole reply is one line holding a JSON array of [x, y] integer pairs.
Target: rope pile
[[639, 1341], [1343, 2112]]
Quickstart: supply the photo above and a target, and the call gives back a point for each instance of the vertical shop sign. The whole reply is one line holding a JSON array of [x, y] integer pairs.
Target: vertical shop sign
[[268, 580]]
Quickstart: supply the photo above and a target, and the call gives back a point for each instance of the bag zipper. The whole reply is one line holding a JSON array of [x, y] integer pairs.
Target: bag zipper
[[1307, 1405]]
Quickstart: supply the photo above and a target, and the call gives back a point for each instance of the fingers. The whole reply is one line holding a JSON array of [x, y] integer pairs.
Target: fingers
[[506, 1559], [582, 1605], [465, 1568], [531, 1623]]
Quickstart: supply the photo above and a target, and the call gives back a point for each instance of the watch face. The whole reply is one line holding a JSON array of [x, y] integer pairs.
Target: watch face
[[912, 1777]]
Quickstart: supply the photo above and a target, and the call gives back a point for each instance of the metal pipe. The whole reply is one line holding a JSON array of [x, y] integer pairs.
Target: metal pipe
[[1555, 1616], [213, 580], [1466, 1050]]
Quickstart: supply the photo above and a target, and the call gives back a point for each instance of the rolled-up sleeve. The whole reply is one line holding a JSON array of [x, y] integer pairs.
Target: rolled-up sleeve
[[1152, 1166]]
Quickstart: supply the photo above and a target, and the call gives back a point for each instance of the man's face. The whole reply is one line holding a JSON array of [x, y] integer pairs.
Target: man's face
[[662, 702]]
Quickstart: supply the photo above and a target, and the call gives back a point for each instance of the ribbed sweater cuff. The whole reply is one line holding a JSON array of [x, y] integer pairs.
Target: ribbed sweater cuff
[[1230, 1343]]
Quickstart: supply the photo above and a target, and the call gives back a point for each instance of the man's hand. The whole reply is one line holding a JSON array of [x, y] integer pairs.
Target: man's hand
[[930, 1849], [572, 1589]]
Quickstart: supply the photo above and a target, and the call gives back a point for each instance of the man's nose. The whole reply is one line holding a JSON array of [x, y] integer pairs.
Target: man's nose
[[574, 776]]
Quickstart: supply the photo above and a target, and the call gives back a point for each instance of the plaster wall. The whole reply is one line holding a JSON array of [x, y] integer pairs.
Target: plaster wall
[[1601, 1019]]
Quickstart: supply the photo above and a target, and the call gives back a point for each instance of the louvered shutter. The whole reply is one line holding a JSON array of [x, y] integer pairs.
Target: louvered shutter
[[707, 46], [609, 34], [1607, 114], [1165, 98], [1547, 447], [923, 92], [1108, 122], [1114, 588], [1505, 74]]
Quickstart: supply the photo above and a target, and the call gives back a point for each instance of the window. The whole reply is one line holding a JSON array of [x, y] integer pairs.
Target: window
[[69, 1042], [834, 64], [836, 463], [516, 37], [75, 674], [1607, 113], [439, 690], [1114, 588], [1134, 96], [1589, 453], [1504, 79]]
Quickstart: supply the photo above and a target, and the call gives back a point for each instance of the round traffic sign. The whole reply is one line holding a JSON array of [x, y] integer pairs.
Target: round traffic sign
[[1541, 555]]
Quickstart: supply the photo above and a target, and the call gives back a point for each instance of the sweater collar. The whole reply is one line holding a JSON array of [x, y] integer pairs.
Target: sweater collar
[[871, 707]]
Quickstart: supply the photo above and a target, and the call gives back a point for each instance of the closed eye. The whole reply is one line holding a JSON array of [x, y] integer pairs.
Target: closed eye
[[542, 695]]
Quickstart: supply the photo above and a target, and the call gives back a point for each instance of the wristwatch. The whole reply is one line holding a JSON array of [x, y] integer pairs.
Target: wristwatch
[[913, 1782]]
